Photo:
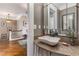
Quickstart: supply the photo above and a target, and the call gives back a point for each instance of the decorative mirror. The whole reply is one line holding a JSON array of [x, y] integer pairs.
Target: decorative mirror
[[52, 12], [68, 21]]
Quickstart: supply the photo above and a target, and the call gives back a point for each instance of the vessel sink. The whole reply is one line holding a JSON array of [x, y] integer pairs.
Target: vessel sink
[[62, 34], [49, 40]]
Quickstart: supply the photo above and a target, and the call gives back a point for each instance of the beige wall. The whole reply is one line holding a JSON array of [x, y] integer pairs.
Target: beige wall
[[78, 20], [46, 19], [37, 18]]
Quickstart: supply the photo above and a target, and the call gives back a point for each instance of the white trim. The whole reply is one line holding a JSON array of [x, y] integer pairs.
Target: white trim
[[30, 38]]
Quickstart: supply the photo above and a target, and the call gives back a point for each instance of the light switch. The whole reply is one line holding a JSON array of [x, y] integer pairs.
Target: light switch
[[35, 26], [39, 26]]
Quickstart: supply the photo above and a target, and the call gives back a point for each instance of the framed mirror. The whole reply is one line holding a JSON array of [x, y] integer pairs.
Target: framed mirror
[[52, 17], [52, 12], [68, 22]]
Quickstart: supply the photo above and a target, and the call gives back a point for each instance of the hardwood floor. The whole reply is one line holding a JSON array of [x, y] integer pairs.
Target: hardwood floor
[[12, 49]]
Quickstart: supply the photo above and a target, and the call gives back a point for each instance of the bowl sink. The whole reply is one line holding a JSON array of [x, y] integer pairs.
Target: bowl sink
[[62, 34], [49, 40]]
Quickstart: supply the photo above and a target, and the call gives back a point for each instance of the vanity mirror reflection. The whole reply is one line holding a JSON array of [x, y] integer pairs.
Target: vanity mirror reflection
[[60, 27], [60, 19], [69, 22]]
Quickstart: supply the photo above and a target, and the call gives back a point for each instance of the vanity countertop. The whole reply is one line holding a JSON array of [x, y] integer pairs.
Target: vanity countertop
[[60, 48]]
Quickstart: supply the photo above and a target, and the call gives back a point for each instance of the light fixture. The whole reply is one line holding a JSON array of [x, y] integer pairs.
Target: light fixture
[[8, 19]]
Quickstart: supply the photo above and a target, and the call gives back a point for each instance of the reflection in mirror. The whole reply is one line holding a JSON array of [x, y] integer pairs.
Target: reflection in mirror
[[69, 22], [60, 17], [52, 18], [51, 12]]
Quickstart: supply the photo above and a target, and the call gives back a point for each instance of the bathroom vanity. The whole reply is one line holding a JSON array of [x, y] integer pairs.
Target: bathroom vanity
[[61, 23], [42, 49]]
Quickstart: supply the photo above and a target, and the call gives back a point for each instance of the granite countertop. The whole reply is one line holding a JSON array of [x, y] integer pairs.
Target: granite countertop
[[60, 48]]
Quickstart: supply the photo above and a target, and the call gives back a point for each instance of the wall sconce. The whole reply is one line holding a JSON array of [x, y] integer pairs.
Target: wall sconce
[[39, 26]]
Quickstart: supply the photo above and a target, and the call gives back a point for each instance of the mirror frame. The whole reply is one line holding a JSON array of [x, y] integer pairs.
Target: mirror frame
[[66, 20]]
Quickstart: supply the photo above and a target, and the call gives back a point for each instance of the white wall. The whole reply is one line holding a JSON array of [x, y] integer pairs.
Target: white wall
[[30, 38], [20, 26]]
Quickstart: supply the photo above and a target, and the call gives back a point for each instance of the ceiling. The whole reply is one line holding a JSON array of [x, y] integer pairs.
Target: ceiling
[[62, 6], [14, 9]]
